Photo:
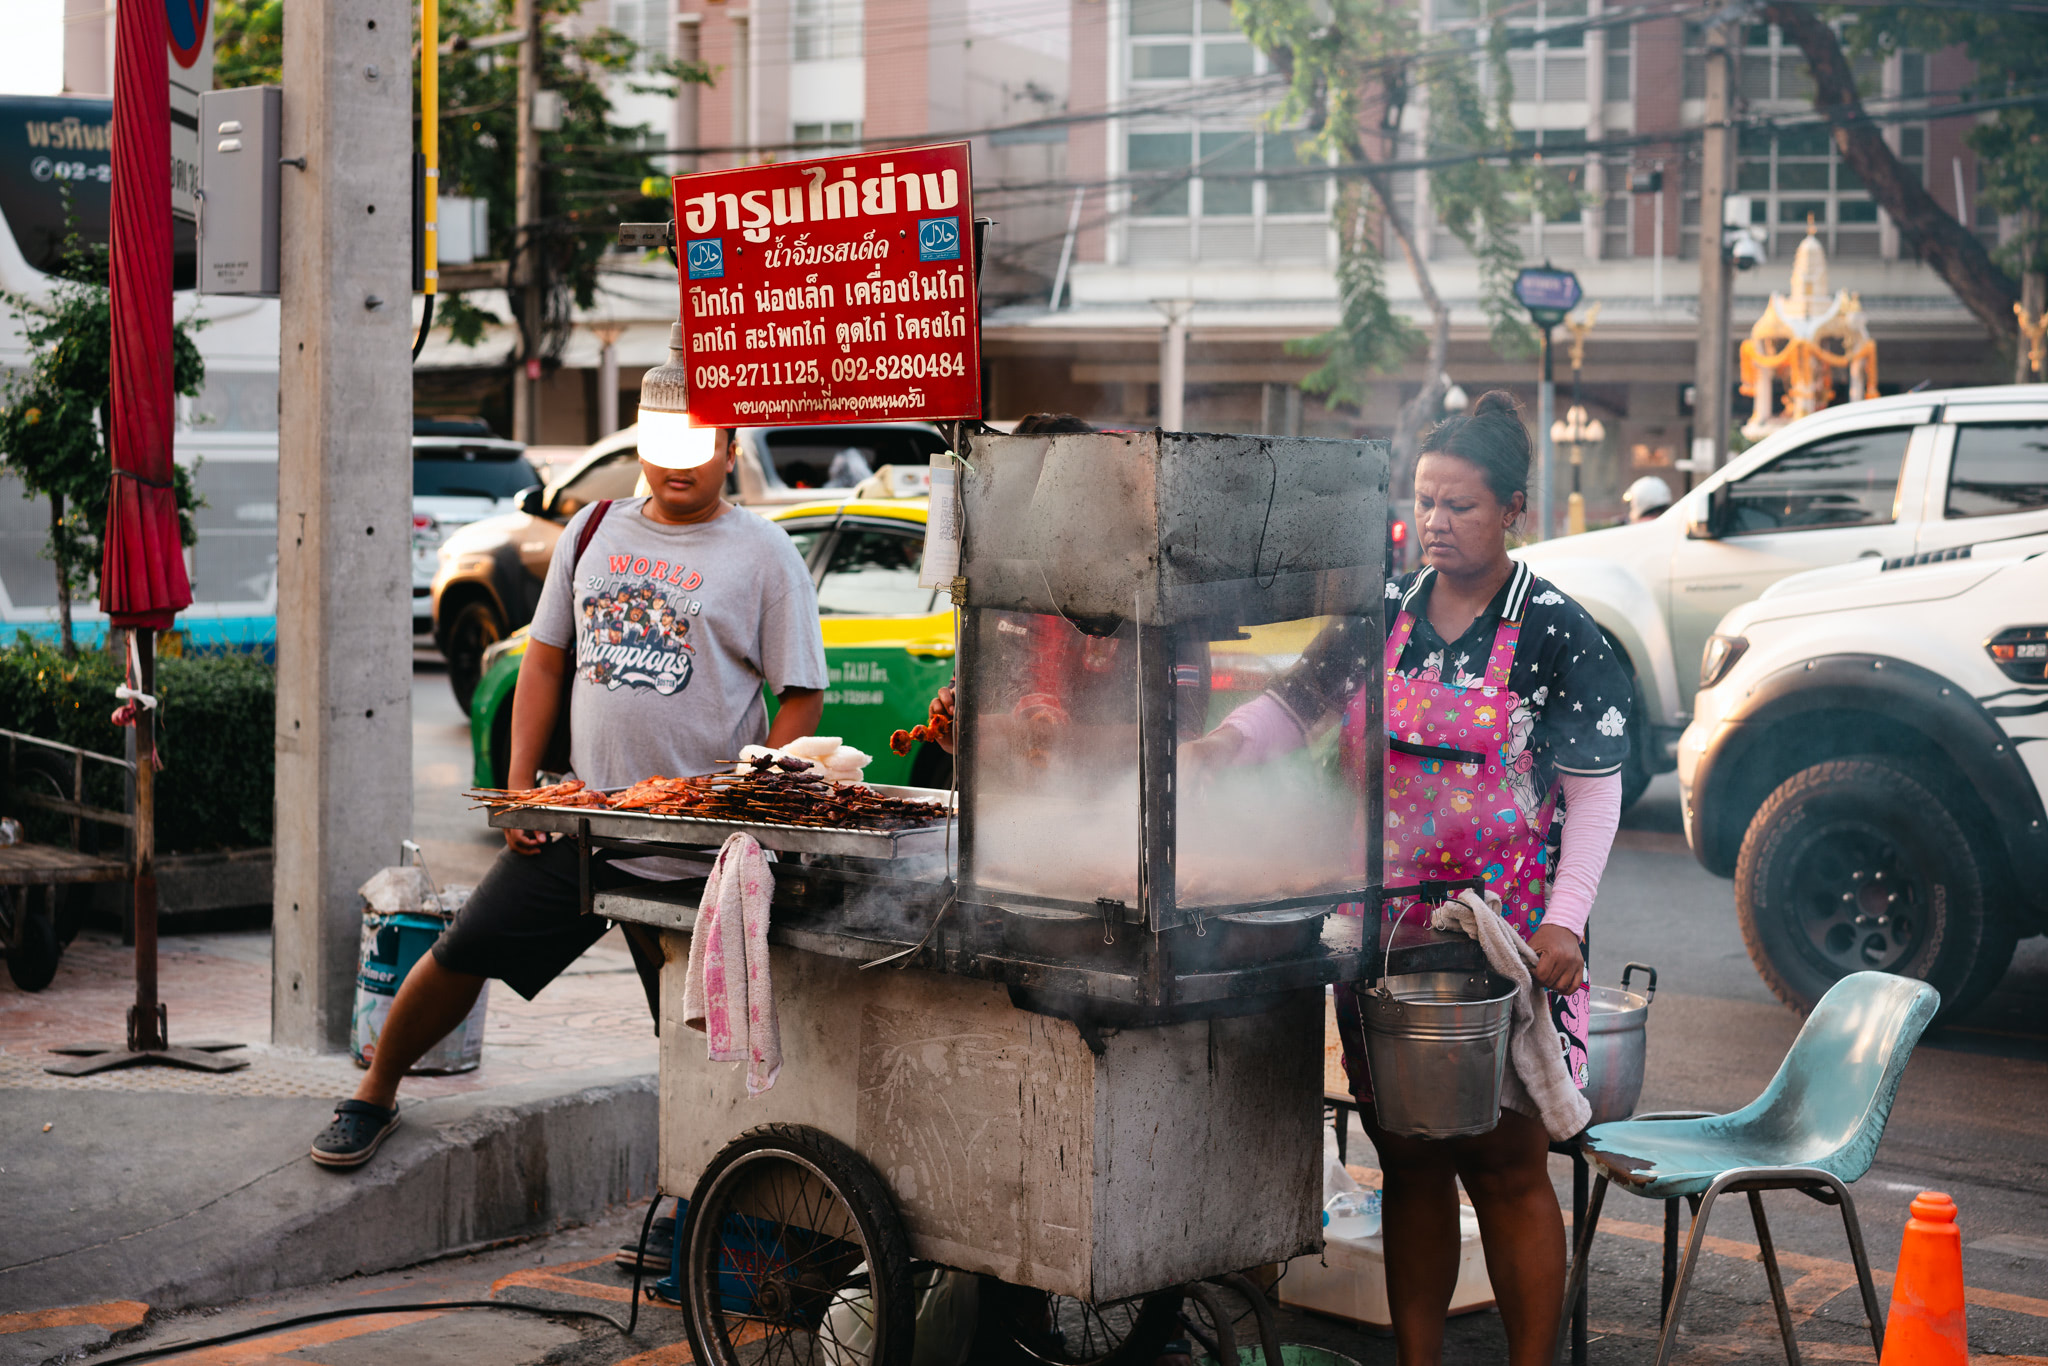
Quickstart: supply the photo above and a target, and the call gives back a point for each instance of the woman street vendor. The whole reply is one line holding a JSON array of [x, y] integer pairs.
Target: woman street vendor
[[1481, 657]]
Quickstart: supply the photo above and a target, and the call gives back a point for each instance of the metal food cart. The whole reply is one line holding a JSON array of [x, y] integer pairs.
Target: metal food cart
[[1071, 1039]]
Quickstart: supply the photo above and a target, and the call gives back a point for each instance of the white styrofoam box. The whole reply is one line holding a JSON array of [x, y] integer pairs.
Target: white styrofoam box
[[1348, 1280]]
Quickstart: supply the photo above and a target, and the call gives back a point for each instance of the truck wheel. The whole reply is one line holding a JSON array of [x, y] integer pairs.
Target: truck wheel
[[1855, 865], [475, 629], [1636, 771]]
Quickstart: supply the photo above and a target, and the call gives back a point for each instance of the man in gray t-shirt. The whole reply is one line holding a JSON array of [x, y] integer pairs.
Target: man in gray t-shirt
[[680, 608]]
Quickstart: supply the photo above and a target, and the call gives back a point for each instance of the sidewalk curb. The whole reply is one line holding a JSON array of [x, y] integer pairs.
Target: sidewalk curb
[[460, 1171]]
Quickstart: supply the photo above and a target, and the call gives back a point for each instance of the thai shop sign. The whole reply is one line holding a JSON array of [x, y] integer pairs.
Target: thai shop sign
[[834, 290]]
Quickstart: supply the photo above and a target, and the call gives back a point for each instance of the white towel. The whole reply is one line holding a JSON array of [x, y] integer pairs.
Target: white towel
[[726, 991], [1538, 1085]]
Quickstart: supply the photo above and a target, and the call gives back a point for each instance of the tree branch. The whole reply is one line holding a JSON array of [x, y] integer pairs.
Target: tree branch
[[1948, 246]]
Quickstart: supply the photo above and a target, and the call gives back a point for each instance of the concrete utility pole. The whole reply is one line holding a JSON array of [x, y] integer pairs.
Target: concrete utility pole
[[344, 499], [526, 213], [1173, 364], [1717, 173]]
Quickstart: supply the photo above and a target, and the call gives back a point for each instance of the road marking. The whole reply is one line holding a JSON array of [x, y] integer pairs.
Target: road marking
[[558, 1280], [2015, 1244], [1805, 1264], [113, 1315], [272, 1350]]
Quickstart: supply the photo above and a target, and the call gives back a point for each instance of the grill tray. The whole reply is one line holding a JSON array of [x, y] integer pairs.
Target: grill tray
[[698, 832]]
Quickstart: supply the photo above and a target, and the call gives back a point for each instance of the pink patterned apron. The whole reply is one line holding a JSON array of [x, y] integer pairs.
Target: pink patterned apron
[[1450, 813]]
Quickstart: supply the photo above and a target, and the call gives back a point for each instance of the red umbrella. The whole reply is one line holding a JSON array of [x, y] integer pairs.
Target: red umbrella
[[142, 577]]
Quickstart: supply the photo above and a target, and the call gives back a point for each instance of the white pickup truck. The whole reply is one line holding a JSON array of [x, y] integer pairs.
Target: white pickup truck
[[1880, 479]]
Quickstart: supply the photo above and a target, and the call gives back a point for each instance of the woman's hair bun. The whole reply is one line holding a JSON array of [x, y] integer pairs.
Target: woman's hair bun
[[1492, 438], [1498, 401]]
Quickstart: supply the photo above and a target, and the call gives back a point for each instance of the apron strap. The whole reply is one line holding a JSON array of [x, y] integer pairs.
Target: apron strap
[[1501, 661], [1403, 625]]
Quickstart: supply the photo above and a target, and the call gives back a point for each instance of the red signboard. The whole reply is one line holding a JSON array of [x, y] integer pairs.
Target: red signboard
[[834, 290]]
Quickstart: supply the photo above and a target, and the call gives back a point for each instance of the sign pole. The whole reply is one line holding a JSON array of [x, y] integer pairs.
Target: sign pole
[[1548, 294]]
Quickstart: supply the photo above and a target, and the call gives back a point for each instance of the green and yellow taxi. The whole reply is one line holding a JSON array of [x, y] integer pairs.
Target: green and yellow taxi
[[888, 642]]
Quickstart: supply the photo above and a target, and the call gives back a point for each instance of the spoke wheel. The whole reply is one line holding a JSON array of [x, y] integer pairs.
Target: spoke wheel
[[1025, 1325], [35, 948], [793, 1253]]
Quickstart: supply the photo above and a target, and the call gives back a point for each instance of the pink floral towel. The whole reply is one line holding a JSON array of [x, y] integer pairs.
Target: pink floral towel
[[726, 992]]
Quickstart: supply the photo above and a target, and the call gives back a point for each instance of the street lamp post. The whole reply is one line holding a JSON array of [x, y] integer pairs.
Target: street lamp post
[[1548, 294], [1576, 429]]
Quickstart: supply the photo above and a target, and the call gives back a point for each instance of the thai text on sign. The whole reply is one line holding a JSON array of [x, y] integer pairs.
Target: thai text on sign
[[834, 290]]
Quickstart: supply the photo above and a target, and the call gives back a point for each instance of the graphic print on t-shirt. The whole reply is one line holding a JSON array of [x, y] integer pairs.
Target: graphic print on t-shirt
[[632, 632]]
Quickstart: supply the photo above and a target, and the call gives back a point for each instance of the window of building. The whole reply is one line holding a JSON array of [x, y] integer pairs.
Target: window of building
[[1181, 40], [826, 137], [1552, 69], [647, 23], [1211, 182], [825, 30], [1795, 177]]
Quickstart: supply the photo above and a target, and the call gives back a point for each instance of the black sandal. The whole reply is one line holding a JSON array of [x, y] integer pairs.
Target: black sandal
[[352, 1137]]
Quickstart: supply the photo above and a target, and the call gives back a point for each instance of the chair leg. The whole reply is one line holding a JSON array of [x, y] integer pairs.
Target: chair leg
[[1770, 1256], [1854, 1229], [1575, 1283], [1667, 1344], [1342, 1123], [1670, 1260], [1581, 1174]]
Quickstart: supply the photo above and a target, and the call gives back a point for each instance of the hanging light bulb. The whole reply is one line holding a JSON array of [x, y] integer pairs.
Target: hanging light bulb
[[1456, 399], [667, 436]]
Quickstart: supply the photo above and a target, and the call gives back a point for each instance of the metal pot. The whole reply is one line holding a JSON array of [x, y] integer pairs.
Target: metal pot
[[1615, 1045]]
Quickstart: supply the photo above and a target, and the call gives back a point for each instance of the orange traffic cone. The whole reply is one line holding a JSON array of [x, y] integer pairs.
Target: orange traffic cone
[[1926, 1325]]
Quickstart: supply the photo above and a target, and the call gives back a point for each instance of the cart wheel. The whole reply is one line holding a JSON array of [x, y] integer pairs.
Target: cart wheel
[[1026, 1325], [32, 955], [793, 1251]]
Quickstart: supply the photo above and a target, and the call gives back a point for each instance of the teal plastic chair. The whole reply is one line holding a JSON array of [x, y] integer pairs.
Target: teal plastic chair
[[1815, 1129]]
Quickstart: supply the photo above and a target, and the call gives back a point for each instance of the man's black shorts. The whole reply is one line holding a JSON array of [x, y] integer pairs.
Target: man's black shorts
[[523, 924]]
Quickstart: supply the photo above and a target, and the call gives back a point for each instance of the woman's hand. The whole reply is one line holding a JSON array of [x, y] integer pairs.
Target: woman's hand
[[1560, 965], [1200, 758]]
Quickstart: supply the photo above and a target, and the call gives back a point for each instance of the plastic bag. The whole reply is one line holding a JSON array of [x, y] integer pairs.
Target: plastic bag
[[947, 1304]]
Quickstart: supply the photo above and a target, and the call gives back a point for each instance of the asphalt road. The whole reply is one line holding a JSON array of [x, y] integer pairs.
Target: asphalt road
[[1971, 1119]]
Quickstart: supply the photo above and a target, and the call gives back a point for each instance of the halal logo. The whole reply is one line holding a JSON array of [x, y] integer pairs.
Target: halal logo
[[938, 239], [189, 27], [707, 258]]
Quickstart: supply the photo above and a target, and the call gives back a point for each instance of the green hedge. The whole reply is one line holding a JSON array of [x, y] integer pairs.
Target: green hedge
[[219, 723]]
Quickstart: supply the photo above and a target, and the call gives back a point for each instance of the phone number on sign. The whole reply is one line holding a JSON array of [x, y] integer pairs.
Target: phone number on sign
[[754, 373], [939, 365], [749, 374]]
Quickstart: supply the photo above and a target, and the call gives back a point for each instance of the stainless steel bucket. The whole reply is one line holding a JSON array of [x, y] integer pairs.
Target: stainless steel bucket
[[1615, 1044], [1438, 1044]]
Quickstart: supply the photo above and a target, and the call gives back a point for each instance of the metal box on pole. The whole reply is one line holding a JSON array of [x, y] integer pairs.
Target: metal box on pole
[[238, 186]]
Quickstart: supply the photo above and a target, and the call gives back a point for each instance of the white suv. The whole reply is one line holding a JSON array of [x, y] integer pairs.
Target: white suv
[[1868, 757], [1880, 479]]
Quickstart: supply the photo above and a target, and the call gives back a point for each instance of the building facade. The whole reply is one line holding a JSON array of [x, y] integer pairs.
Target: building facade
[[1094, 121]]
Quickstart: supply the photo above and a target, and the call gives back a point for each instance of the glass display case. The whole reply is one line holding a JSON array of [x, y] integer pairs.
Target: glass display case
[[1124, 593]]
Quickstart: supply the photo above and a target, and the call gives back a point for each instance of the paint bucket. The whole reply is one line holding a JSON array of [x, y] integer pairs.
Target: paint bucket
[[393, 940]]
